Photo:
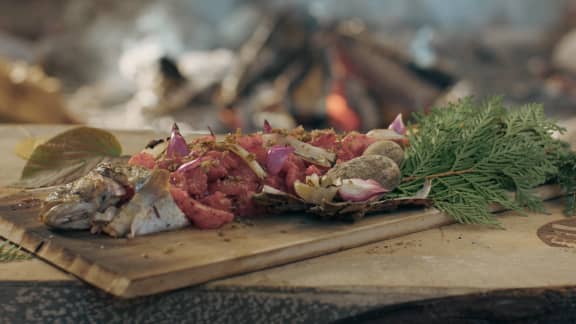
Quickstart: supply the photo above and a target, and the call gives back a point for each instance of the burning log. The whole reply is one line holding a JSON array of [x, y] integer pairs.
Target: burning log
[[326, 76], [294, 70], [279, 40], [394, 85]]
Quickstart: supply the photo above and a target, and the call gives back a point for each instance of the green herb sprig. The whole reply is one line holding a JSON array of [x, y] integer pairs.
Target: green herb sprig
[[10, 252], [476, 153]]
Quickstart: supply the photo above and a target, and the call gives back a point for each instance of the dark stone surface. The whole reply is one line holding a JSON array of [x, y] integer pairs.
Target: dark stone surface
[[553, 305], [73, 302]]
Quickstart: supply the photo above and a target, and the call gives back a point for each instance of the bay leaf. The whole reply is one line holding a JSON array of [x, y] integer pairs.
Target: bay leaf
[[68, 156], [25, 147]]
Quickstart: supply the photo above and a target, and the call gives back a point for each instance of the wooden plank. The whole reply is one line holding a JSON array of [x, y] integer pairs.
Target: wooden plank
[[32, 271], [166, 261]]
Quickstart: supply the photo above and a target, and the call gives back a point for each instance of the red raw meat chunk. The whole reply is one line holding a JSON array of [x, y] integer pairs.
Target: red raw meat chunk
[[178, 180], [217, 200], [232, 187], [204, 217], [239, 190], [220, 163], [143, 159], [245, 177], [196, 182], [216, 171], [314, 169], [276, 181], [254, 144], [326, 139], [245, 205], [353, 145], [228, 160], [180, 197], [295, 170]]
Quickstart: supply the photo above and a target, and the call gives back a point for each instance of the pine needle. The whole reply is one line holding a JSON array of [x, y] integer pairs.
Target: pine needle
[[10, 252], [476, 153]]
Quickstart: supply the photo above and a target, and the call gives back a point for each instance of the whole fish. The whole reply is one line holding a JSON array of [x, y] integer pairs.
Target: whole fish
[[73, 206], [117, 199]]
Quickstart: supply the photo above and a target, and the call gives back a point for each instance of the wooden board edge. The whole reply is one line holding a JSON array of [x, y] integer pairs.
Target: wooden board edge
[[62, 258], [33, 270]]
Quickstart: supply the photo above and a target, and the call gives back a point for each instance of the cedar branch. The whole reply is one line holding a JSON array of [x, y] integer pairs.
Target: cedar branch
[[437, 175]]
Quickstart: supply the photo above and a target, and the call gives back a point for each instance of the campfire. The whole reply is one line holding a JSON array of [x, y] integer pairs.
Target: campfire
[[294, 70], [290, 67]]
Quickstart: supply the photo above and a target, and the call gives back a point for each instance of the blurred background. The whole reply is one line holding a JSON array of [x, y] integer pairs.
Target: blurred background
[[224, 64]]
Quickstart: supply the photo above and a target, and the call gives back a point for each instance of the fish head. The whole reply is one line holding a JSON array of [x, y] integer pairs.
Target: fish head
[[68, 214], [124, 174]]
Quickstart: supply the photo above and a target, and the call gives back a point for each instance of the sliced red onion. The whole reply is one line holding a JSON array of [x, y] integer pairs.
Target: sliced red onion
[[267, 127], [191, 165], [276, 158], [360, 189], [177, 146], [398, 125]]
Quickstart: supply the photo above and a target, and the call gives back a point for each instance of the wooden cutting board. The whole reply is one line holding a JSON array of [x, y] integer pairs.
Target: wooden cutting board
[[166, 261]]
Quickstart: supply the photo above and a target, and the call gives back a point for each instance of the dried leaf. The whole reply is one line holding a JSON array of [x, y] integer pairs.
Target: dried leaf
[[25, 147], [68, 156]]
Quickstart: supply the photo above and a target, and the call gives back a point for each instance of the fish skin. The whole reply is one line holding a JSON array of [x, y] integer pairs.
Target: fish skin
[[99, 220], [73, 206], [163, 216], [151, 210], [72, 215], [125, 174]]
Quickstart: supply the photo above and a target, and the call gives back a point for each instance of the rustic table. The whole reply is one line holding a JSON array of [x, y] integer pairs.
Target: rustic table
[[456, 273]]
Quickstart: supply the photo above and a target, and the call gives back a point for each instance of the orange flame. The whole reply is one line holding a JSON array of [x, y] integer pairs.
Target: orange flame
[[342, 116]]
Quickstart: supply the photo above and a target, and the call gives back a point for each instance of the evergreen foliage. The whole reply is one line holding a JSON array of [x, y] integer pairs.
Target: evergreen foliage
[[10, 252], [476, 153]]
